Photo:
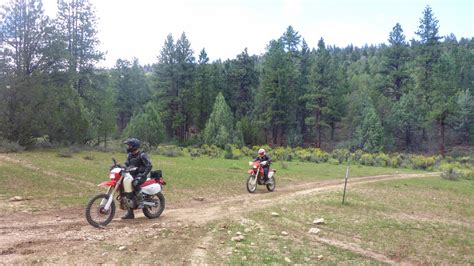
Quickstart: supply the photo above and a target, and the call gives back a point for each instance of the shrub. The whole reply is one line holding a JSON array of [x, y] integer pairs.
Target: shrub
[[65, 153], [248, 152], [169, 150], [194, 152], [422, 162], [341, 155], [9, 146], [356, 156], [367, 159], [382, 159], [320, 156], [468, 174], [232, 152], [396, 160], [212, 151]]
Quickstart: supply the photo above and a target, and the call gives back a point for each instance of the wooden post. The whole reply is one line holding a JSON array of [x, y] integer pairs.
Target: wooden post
[[345, 184]]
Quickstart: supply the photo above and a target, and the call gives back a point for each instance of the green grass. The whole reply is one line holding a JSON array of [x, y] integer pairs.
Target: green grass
[[187, 177], [425, 220]]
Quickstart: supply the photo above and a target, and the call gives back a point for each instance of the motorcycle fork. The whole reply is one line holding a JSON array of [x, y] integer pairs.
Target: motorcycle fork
[[111, 195]]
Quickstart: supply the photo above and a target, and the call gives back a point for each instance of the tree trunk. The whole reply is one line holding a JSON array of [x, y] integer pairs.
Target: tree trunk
[[407, 138], [442, 126], [318, 129]]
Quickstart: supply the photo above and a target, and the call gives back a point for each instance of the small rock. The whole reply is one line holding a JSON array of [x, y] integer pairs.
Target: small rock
[[252, 244], [306, 259], [222, 242], [287, 260], [105, 253], [273, 237], [238, 238], [320, 257], [58, 219], [314, 230], [244, 257], [229, 253], [201, 247], [319, 221], [16, 198], [238, 233], [155, 225], [122, 248], [284, 233], [199, 199], [247, 230], [275, 214]]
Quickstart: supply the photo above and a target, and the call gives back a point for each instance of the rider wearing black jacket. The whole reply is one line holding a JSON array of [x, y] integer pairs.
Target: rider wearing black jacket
[[139, 159], [262, 156]]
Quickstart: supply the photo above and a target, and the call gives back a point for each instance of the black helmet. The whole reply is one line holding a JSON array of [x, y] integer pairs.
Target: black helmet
[[134, 144]]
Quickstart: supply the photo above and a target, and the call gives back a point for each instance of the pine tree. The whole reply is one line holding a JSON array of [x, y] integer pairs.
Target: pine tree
[[370, 132], [395, 64], [319, 90], [76, 23], [220, 126], [146, 126]]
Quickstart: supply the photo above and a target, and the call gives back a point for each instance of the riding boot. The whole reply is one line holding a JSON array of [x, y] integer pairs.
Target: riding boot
[[140, 199], [129, 215]]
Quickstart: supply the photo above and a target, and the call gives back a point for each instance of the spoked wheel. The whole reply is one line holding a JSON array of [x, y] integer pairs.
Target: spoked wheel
[[96, 214], [271, 185], [251, 184], [152, 212]]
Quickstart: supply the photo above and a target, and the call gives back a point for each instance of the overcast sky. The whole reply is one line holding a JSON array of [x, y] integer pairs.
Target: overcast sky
[[138, 28]]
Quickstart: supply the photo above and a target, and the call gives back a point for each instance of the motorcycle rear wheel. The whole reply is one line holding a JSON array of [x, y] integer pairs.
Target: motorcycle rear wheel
[[153, 212], [96, 215], [251, 184], [271, 186]]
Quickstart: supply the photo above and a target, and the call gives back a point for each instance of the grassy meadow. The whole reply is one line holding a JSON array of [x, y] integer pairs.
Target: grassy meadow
[[417, 221], [48, 176]]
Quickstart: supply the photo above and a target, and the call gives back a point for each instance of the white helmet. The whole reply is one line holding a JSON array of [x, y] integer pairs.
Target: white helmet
[[261, 152]]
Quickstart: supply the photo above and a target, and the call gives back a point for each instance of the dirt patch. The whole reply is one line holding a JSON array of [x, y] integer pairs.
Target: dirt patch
[[179, 233]]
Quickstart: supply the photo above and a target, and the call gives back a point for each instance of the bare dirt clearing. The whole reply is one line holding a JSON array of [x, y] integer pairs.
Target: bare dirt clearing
[[180, 235]]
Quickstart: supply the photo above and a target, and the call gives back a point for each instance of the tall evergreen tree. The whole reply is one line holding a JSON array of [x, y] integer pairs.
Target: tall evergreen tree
[[276, 100], [220, 126], [319, 90], [76, 23], [395, 64], [132, 90]]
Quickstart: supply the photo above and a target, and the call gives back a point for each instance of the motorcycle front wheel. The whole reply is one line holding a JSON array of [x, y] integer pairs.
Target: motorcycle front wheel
[[271, 185], [251, 184], [153, 212], [96, 214]]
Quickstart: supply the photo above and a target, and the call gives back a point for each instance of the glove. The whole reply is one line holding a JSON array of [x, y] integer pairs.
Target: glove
[[136, 183]]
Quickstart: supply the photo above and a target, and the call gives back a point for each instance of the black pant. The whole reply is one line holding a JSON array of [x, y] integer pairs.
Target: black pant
[[265, 172]]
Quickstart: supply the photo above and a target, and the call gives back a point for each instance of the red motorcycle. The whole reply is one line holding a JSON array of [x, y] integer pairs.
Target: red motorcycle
[[100, 209], [257, 177]]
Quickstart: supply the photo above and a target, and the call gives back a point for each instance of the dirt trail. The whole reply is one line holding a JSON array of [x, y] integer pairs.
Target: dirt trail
[[50, 236]]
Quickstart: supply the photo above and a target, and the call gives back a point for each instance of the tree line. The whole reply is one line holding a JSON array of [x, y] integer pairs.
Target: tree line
[[411, 95]]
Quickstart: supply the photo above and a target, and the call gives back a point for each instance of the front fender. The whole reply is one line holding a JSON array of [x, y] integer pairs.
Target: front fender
[[109, 183]]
